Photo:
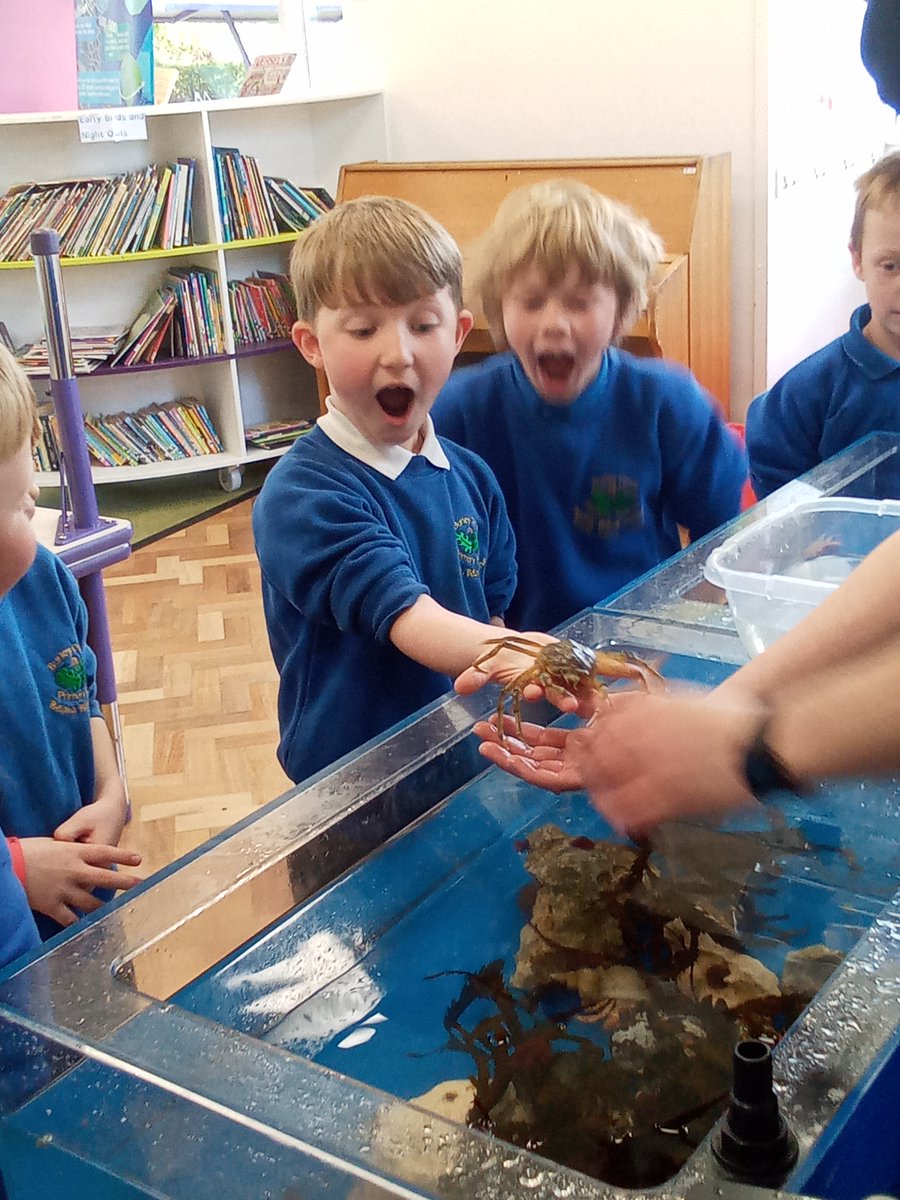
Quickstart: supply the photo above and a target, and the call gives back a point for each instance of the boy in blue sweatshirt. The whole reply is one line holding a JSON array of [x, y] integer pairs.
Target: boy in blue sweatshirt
[[62, 802], [850, 387], [387, 556], [17, 548], [18, 932], [600, 456]]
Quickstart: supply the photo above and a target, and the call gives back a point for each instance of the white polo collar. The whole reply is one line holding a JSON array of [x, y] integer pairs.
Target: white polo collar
[[391, 461]]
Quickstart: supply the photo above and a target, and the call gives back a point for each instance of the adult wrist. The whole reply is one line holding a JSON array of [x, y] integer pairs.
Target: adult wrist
[[765, 770]]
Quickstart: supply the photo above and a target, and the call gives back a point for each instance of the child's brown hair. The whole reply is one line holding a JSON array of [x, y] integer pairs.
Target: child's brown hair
[[555, 225], [878, 187], [18, 409], [373, 250]]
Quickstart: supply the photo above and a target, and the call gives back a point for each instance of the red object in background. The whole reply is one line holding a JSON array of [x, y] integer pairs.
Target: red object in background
[[748, 496]]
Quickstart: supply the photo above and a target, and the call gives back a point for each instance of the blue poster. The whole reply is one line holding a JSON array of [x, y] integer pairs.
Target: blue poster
[[114, 49]]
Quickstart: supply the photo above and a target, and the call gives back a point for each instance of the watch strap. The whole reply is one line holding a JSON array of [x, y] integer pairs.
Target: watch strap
[[765, 770]]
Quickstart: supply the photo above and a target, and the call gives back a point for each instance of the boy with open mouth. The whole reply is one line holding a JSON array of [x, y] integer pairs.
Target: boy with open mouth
[[387, 556], [601, 456]]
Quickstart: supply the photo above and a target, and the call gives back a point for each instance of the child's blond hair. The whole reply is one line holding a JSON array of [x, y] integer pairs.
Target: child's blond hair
[[18, 409], [879, 187], [555, 225], [373, 250]]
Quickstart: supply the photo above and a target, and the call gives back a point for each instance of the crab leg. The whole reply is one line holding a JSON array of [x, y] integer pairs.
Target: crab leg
[[519, 644]]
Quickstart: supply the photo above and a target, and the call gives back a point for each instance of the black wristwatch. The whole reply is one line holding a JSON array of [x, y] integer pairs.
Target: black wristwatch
[[765, 771]]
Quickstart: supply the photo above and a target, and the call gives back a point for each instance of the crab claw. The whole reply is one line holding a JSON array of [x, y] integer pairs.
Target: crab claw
[[619, 664]]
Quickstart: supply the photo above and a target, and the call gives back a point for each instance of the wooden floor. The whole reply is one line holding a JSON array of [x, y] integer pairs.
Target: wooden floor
[[197, 686]]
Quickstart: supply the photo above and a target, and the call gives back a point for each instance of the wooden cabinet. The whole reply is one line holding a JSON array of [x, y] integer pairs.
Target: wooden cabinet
[[687, 201], [306, 140]]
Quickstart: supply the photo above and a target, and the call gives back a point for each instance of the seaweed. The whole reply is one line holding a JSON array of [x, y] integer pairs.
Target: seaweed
[[608, 1047]]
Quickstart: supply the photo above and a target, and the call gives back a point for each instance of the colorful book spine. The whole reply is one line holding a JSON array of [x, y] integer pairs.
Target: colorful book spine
[[184, 236], [162, 190]]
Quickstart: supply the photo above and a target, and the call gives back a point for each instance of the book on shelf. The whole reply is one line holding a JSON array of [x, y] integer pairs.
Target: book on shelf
[[173, 445], [253, 205], [262, 308], [208, 284], [90, 200], [296, 206], [244, 206], [166, 432], [180, 429], [266, 74], [188, 207], [272, 435], [92, 346], [161, 347], [200, 417], [174, 224], [182, 318], [289, 216], [113, 52], [199, 312], [163, 180], [144, 209], [323, 196], [121, 226], [46, 448], [155, 314]]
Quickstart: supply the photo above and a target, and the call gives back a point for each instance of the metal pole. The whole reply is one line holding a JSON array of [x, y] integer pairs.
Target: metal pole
[[76, 466], [63, 385]]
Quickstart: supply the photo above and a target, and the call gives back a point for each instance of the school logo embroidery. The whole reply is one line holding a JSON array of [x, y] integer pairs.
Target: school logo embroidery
[[70, 680], [612, 506], [471, 561]]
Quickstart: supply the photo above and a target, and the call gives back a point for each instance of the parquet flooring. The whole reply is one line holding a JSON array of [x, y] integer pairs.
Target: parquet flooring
[[196, 684]]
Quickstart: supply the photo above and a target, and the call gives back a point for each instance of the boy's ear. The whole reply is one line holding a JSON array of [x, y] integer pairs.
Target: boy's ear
[[464, 322], [856, 260], [624, 321], [304, 338]]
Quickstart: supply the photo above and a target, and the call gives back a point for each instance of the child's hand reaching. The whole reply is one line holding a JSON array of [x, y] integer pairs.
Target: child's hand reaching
[[504, 663], [60, 876], [100, 823]]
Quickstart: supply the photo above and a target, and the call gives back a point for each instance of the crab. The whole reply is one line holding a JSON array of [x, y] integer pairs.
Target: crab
[[565, 666]]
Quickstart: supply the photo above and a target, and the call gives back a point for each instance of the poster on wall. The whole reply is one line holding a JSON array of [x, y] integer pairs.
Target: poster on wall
[[114, 52]]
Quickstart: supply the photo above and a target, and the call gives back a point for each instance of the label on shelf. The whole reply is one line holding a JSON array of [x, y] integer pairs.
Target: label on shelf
[[113, 125]]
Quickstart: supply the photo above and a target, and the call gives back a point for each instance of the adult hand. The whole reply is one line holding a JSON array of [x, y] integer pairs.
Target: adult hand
[[645, 759], [538, 757], [60, 877]]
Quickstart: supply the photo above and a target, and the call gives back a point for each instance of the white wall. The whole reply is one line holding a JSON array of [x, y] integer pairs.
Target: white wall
[[826, 127], [483, 79], [778, 84]]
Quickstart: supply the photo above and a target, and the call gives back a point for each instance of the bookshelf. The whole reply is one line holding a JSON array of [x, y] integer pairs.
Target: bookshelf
[[305, 139]]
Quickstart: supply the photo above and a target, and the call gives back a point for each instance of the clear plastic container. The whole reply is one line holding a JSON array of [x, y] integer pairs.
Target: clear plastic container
[[777, 570]]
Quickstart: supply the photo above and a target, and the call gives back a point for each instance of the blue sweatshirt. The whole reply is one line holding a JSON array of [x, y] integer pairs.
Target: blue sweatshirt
[[844, 391], [596, 489], [344, 549], [46, 747], [18, 934]]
